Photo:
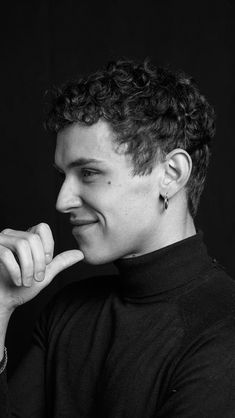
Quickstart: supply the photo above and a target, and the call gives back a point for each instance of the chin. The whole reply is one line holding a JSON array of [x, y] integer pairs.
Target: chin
[[93, 259], [97, 258]]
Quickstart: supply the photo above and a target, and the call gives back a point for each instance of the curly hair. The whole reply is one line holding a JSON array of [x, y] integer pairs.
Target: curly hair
[[151, 110]]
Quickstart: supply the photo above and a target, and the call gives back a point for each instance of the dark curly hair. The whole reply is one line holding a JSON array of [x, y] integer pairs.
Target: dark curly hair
[[151, 110]]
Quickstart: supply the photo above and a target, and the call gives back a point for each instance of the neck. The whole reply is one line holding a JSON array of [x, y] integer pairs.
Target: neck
[[164, 271], [176, 227]]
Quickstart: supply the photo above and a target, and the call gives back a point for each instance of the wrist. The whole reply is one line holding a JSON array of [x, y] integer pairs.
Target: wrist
[[4, 320], [5, 313]]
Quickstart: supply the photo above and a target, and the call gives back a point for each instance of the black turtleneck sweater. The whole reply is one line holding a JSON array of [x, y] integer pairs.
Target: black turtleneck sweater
[[158, 341]]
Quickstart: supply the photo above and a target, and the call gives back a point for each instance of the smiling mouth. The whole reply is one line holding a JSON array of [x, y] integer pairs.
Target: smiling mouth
[[79, 226], [80, 222]]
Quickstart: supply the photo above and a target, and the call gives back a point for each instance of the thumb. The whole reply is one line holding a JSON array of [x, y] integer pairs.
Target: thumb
[[61, 262]]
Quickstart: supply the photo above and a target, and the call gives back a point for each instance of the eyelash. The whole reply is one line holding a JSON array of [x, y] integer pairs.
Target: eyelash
[[89, 173], [86, 174]]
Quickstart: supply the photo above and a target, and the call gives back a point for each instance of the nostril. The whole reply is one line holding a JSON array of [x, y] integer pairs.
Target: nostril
[[67, 206]]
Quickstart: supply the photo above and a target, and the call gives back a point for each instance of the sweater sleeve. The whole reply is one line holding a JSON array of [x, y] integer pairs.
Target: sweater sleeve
[[4, 400], [203, 383], [24, 395]]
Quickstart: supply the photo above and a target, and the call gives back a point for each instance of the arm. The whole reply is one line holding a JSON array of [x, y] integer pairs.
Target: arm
[[24, 395], [27, 385], [203, 383], [22, 256]]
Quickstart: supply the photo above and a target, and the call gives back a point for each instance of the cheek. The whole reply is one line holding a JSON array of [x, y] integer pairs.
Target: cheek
[[104, 201], [119, 202], [126, 209]]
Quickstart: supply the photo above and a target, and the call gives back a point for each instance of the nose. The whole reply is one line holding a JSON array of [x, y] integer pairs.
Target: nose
[[69, 196]]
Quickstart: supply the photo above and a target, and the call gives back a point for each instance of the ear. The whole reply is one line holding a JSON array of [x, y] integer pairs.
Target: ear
[[177, 168]]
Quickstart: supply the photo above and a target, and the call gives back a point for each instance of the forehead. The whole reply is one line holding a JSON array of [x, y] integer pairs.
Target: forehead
[[93, 142]]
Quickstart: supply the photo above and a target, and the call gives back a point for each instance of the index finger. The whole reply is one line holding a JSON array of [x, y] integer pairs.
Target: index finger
[[44, 232]]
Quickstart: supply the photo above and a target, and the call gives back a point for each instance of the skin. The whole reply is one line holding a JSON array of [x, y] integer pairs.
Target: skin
[[129, 209]]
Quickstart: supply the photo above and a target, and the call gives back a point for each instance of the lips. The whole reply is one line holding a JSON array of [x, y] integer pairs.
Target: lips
[[81, 222], [82, 227]]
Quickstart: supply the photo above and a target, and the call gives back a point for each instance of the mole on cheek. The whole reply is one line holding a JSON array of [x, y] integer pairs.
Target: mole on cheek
[[109, 182]]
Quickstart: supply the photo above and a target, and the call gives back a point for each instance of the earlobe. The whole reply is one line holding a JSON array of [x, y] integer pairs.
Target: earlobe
[[177, 169]]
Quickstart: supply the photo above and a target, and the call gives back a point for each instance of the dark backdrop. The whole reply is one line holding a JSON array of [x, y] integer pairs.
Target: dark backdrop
[[44, 43]]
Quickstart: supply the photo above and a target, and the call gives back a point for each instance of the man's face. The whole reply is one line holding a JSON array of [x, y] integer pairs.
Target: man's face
[[116, 214]]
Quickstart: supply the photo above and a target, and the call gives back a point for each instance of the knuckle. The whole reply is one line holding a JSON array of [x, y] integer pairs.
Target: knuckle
[[33, 239], [43, 226], [6, 231], [36, 242]]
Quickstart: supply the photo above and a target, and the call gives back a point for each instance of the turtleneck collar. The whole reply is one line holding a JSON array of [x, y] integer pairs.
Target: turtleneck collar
[[163, 270]]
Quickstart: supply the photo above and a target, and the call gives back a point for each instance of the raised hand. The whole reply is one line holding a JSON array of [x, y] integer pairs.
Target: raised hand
[[27, 265]]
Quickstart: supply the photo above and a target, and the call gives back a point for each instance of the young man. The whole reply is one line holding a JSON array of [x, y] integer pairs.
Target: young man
[[157, 340]]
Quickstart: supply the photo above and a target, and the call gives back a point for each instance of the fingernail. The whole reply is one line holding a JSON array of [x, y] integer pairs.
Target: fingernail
[[39, 276]]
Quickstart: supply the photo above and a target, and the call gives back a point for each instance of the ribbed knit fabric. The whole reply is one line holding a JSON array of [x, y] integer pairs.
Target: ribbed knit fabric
[[158, 341]]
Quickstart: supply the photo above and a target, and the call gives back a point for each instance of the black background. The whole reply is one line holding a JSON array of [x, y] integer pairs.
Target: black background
[[45, 43]]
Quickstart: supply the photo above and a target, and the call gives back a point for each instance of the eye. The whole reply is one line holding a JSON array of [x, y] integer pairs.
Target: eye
[[86, 173]]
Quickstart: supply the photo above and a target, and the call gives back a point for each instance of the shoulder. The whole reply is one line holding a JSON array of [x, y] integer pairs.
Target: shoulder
[[208, 344], [210, 303]]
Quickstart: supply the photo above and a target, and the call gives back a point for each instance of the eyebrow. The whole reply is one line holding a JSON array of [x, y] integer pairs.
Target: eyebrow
[[80, 162]]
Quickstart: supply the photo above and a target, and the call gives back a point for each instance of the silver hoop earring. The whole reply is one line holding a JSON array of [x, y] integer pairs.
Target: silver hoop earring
[[166, 201]]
